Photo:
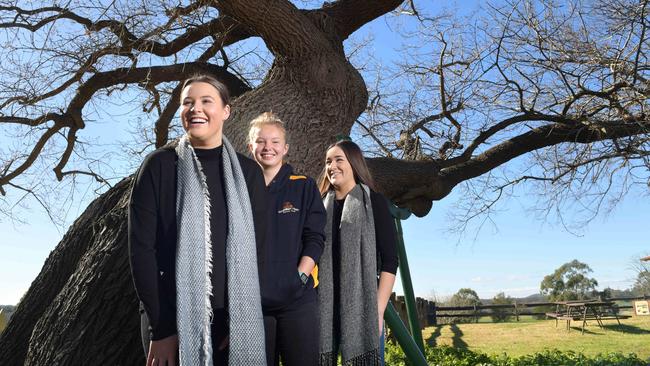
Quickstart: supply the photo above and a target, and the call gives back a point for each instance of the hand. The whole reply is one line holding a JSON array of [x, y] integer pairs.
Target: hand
[[163, 352], [224, 343], [381, 323]]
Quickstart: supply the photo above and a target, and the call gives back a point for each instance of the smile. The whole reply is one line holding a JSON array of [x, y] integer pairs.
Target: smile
[[197, 120]]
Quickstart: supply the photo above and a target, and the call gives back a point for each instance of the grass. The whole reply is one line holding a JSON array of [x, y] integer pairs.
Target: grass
[[531, 336]]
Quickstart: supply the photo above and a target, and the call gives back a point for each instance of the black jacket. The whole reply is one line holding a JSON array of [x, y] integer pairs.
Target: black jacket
[[295, 228], [153, 234]]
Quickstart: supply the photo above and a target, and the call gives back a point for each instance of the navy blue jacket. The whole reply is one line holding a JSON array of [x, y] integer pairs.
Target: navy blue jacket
[[295, 228]]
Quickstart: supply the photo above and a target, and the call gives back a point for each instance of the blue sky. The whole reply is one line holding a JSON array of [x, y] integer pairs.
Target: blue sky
[[516, 256], [513, 258]]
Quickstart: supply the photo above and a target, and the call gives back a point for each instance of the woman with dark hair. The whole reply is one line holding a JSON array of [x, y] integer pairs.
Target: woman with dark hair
[[196, 226], [359, 262], [294, 242]]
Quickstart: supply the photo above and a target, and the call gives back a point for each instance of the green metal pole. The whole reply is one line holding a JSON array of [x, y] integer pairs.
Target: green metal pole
[[411, 350], [405, 274]]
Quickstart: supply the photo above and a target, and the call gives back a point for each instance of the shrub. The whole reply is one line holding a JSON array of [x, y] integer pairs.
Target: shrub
[[501, 314], [448, 356], [464, 297]]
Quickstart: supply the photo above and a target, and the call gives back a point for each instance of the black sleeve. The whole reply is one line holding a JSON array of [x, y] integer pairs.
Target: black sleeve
[[257, 193], [313, 231], [385, 233], [142, 237]]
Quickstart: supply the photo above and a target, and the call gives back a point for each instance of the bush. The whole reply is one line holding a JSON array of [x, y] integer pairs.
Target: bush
[[501, 314], [448, 356], [464, 297]]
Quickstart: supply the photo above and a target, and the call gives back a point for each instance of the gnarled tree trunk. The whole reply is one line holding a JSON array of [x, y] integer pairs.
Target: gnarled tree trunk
[[82, 308]]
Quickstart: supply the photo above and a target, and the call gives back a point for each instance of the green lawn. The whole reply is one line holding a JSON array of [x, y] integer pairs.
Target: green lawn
[[531, 336]]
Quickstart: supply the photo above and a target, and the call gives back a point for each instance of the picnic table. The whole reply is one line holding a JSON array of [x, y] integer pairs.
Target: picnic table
[[585, 310]]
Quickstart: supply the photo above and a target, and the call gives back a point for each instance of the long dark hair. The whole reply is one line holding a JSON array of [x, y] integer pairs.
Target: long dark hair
[[357, 162]]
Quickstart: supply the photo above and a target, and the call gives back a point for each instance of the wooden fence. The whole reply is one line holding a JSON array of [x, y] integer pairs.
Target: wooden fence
[[429, 312]]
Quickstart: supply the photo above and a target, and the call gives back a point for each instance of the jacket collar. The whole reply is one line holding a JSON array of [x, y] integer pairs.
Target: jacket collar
[[281, 178]]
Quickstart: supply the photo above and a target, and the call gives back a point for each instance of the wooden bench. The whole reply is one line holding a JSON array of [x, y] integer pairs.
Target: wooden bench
[[606, 317], [561, 316], [585, 316]]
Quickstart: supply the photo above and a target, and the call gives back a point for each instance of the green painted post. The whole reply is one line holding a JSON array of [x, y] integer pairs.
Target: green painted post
[[405, 274], [411, 350]]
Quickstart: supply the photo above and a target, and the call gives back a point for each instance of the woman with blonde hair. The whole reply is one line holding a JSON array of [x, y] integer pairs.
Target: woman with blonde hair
[[196, 225], [359, 262], [294, 243]]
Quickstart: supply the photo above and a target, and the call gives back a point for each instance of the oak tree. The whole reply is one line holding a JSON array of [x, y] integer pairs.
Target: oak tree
[[562, 86]]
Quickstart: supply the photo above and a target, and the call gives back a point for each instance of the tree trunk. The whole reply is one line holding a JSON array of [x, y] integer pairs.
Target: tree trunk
[[82, 308]]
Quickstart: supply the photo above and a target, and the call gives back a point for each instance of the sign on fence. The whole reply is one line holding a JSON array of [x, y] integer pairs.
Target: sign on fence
[[641, 308]]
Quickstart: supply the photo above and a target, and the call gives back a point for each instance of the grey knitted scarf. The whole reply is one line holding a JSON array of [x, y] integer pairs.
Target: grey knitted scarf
[[358, 340], [194, 264]]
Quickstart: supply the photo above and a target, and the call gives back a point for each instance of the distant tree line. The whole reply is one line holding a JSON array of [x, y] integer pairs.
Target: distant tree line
[[570, 281]]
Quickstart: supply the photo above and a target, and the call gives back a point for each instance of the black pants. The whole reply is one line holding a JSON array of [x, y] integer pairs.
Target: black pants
[[292, 334], [219, 331]]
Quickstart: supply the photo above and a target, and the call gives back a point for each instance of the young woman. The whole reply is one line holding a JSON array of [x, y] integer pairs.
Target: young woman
[[361, 245], [294, 242], [196, 213]]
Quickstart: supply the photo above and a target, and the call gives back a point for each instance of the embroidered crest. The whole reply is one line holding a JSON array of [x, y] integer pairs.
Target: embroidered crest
[[287, 207]]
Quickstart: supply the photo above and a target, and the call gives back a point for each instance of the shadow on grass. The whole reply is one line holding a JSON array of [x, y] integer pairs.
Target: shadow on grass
[[625, 328], [457, 341], [578, 329], [436, 333]]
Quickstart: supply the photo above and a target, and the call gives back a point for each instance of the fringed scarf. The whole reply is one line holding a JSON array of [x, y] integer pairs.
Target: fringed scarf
[[194, 264], [358, 340]]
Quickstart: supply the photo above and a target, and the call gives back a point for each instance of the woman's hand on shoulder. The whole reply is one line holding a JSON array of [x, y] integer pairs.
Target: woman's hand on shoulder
[[163, 352]]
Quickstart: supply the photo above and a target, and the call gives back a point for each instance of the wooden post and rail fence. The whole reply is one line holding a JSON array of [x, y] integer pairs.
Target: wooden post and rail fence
[[428, 313]]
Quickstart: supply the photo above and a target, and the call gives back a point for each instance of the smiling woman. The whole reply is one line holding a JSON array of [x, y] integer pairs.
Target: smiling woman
[[204, 108], [196, 226], [359, 262], [295, 237]]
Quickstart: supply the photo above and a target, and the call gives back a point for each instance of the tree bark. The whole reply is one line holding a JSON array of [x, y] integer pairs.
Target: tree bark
[[82, 308], [311, 86]]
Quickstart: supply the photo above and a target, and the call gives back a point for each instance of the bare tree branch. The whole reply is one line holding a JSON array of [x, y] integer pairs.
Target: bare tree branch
[[350, 15], [226, 29], [541, 137]]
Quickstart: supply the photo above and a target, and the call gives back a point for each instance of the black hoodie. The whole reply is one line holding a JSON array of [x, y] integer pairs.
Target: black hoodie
[[295, 228]]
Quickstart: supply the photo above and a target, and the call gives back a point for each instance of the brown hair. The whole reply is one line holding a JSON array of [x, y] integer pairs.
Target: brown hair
[[222, 89], [357, 162], [265, 119]]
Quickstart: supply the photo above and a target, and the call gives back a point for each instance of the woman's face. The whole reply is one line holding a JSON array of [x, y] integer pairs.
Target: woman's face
[[338, 169], [202, 114], [269, 146]]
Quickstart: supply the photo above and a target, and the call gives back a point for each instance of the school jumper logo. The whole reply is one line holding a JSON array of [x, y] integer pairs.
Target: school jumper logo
[[287, 207]]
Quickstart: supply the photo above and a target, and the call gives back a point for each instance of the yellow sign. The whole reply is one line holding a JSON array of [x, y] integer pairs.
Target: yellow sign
[[641, 308]]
